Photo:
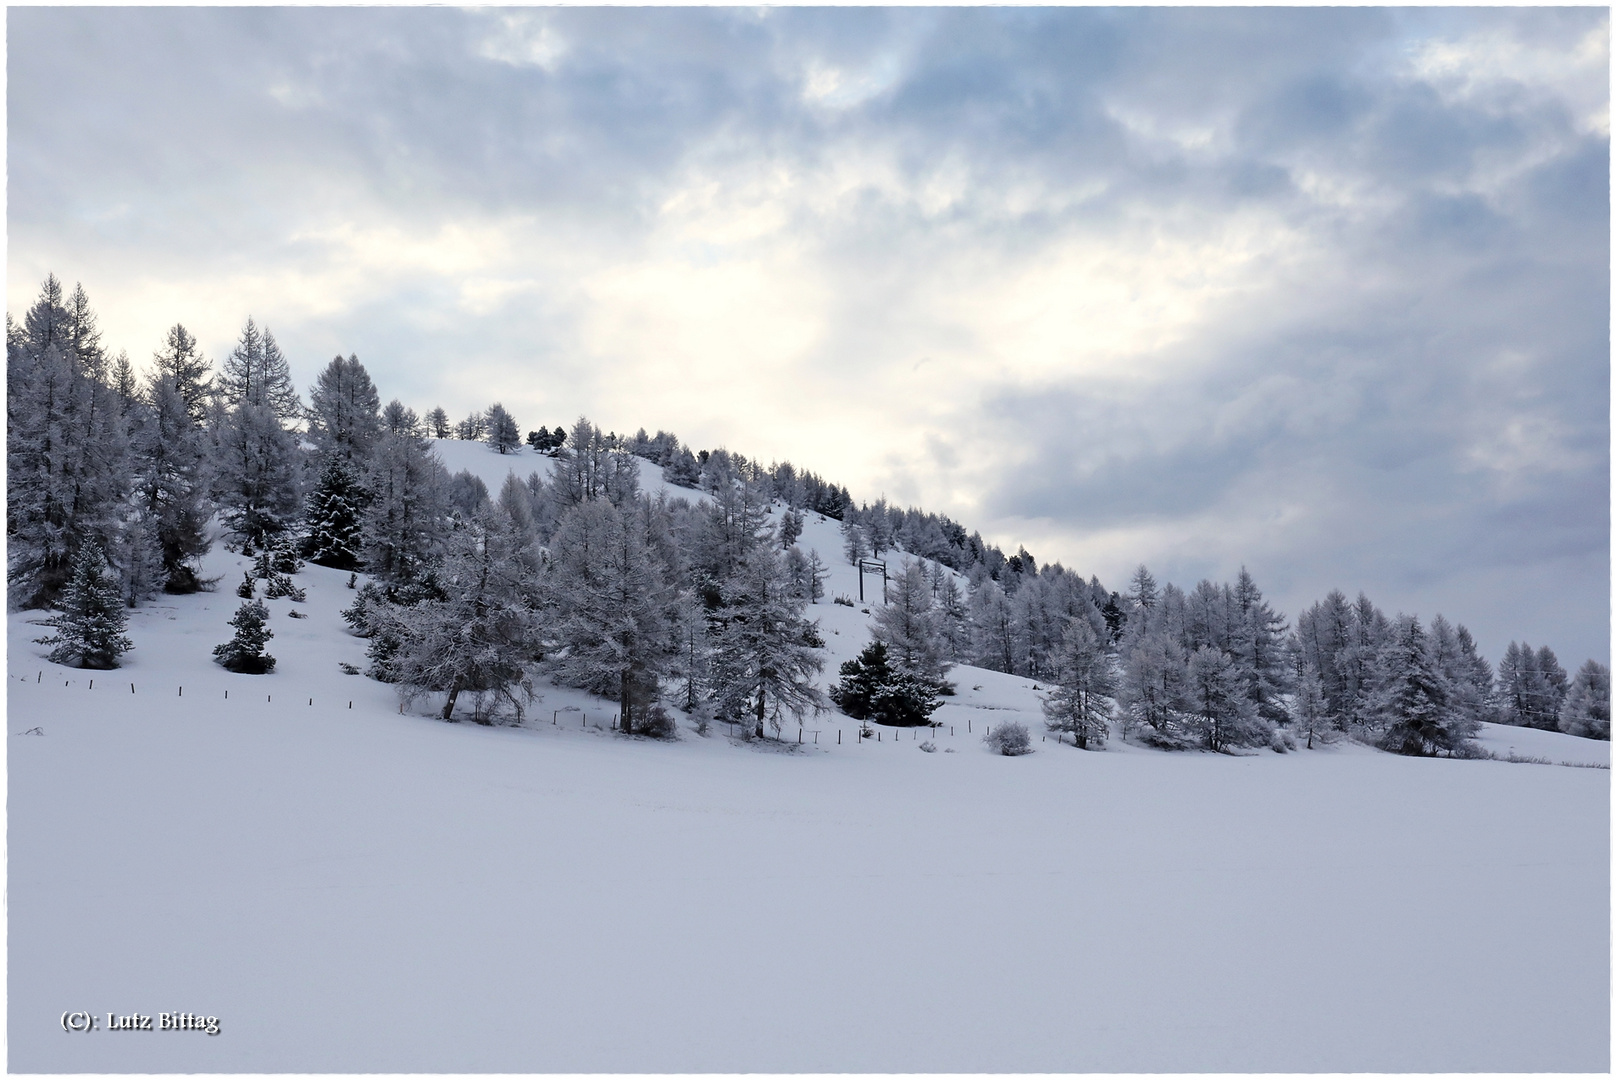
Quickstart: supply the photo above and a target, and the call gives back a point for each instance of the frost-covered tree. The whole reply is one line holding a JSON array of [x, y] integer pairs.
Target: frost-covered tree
[[791, 527], [611, 609], [1257, 645], [502, 432], [256, 373], [335, 516], [1587, 709], [1154, 686], [683, 468], [1532, 686], [180, 363], [345, 411], [1222, 713], [172, 482], [245, 653], [592, 468], [766, 654], [256, 473], [1413, 698], [954, 620], [478, 639], [401, 420], [67, 468], [871, 688], [1080, 703], [438, 426], [855, 542], [908, 625], [1142, 592], [405, 521], [91, 616], [473, 428], [993, 627], [1310, 715]]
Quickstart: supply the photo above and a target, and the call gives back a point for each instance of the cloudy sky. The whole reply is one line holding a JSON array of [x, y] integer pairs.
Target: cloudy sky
[[1324, 292]]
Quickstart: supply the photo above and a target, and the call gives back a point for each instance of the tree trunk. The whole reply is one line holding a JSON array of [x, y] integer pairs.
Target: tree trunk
[[449, 705], [760, 732], [625, 724]]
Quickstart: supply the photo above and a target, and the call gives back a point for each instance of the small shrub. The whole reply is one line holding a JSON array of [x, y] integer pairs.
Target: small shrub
[[245, 589], [296, 615], [1010, 738], [843, 600], [347, 668], [657, 723], [1471, 751], [929, 747], [1280, 741], [353, 581]]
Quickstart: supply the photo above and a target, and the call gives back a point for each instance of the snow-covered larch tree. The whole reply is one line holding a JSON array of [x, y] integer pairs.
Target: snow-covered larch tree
[[766, 654], [1080, 703], [91, 616]]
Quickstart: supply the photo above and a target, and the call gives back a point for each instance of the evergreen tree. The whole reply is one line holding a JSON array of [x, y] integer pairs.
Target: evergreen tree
[[1080, 703], [92, 618], [1142, 592], [345, 411], [479, 638], [791, 527], [871, 688], [1223, 714], [67, 467], [335, 517], [683, 469], [1587, 709], [180, 364], [1413, 699], [172, 482], [1258, 650], [766, 653], [502, 432], [1154, 687], [612, 609], [993, 627], [124, 385], [244, 653], [438, 426], [908, 625], [401, 420], [404, 523], [256, 373], [256, 483], [1309, 712]]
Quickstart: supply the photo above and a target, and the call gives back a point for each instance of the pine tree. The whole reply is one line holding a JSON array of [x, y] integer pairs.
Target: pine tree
[[124, 385], [871, 688], [404, 523], [502, 432], [67, 447], [335, 517], [766, 654], [345, 411], [1309, 713], [683, 469], [180, 364], [1224, 715], [908, 625], [172, 482], [612, 609], [256, 373], [1587, 709], [244, 653], [993, 627], [92, 617], [1413, 699], [791, 527], [256, 483], [1153, 691], [438, 425], [1080, 703], [480, 637]]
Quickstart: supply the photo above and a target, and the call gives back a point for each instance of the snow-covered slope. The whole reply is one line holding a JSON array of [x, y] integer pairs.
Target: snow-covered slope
[[349, 888]]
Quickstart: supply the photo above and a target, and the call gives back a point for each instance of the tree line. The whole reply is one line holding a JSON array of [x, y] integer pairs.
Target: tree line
[[114, 479]]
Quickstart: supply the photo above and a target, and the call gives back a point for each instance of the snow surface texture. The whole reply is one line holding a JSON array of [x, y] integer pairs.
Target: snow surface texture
[[351, 890]]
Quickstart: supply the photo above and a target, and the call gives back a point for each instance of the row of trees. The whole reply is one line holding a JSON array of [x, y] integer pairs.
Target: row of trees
[[115, 478]]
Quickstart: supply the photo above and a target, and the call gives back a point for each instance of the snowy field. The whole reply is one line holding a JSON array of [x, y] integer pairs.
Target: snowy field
[[350, 889]]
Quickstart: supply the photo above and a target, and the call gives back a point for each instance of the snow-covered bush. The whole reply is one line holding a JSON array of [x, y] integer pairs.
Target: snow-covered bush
[[929, 747], [245, 653], [657, 722], [1010, 738], [1280, 741]]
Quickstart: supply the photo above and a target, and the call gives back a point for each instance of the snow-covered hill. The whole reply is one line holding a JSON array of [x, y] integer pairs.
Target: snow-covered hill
[[350, 886]]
